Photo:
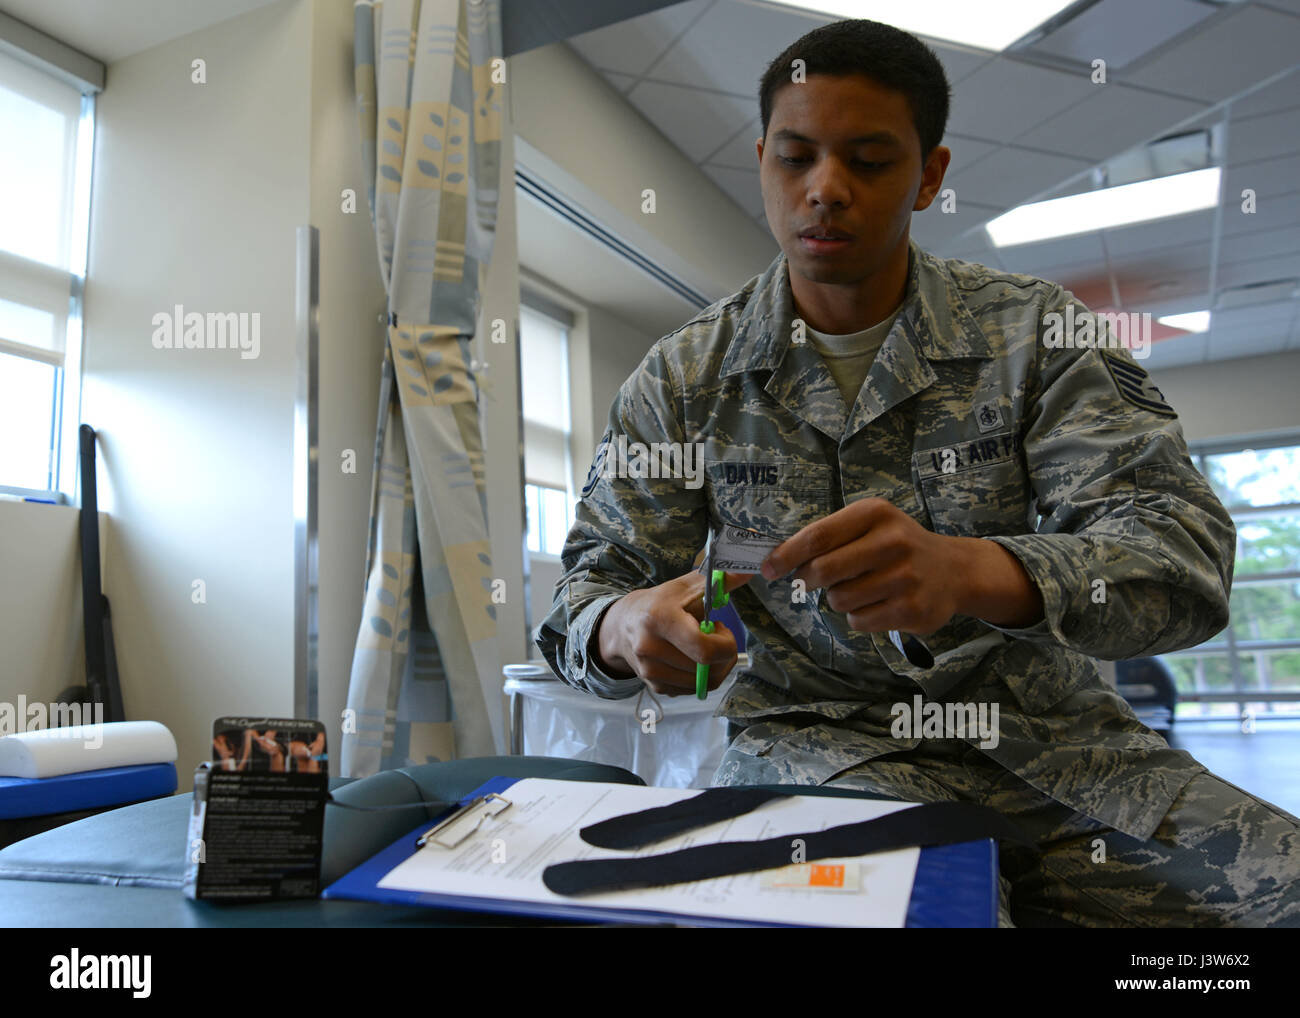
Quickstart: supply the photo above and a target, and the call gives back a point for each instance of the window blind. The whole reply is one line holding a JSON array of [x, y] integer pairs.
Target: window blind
[[40, 117], [544, 370]]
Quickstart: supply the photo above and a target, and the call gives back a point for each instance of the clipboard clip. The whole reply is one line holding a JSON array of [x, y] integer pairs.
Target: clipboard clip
[[480, 809]]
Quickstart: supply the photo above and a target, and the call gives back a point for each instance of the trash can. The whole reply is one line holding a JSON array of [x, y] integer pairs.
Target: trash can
[[668, 742]]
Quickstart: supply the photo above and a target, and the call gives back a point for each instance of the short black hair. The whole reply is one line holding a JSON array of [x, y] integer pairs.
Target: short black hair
[[889, 56]]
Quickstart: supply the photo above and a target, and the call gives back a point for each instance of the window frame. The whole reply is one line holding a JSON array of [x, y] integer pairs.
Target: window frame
[[1226, 644], [564, 319], [65, 410], [546, 556]]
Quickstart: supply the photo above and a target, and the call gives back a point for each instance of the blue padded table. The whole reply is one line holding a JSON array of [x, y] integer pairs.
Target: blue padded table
[[124, 868], [82, 790], [31, 806]]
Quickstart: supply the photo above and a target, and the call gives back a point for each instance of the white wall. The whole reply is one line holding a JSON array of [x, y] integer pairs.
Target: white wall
[[41, 642], [615, 348], [1244, 396], [198, 191]]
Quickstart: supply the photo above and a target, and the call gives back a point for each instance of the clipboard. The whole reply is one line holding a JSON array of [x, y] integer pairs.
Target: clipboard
[[954, 886]]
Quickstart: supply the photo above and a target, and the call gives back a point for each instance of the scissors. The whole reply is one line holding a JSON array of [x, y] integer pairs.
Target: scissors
[[715, 596]]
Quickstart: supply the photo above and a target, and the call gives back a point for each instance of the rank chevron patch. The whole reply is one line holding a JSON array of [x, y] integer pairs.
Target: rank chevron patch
[[1135, 385]]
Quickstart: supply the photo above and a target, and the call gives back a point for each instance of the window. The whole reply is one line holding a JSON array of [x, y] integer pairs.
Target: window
[[1252, 669], [544, 369], [550, 515], [47, 127]]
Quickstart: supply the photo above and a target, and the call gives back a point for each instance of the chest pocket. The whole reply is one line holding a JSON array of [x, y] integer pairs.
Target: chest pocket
[[976, 488], [774, 497]]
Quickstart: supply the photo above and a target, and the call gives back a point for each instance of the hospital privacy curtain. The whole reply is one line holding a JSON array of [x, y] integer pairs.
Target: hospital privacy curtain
[[430, 99]]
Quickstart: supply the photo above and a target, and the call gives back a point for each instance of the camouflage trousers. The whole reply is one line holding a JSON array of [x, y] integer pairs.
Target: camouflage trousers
[[1220, 857]]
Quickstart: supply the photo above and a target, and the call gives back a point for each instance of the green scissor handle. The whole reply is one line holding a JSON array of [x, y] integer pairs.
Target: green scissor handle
[[719, 598]]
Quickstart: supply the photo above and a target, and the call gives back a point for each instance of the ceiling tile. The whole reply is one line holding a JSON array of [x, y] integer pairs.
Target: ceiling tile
[[631, 46], [1287, 5], [1167, 276], [966, 151], [1082, 250], [1257, 270], [1119, 31], [1112, 119], [739, 152], [1267, 177], [730, 47], [741, 185], [1262, 244], [1227, 55], [1004, 99], [1264, 137], [933, 227], [1011, 176], [1275, 317], [622, 82], [1279, 210], [959, 63], [1194, 228], [1283, 94], [692, 119]]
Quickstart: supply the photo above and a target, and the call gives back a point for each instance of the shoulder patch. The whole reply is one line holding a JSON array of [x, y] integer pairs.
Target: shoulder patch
[[598, 461], [1135, 385]]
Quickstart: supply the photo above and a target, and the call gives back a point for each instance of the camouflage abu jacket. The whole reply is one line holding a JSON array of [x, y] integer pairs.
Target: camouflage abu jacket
[[976, 424]]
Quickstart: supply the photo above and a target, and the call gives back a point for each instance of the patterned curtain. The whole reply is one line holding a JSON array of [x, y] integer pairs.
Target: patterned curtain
[[432, 113]]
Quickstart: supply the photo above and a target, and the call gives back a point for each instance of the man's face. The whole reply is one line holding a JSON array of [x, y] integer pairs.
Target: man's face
[[843, 154]]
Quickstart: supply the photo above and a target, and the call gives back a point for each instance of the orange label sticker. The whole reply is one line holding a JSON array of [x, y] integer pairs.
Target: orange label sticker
[[826, 876], [830, 876]]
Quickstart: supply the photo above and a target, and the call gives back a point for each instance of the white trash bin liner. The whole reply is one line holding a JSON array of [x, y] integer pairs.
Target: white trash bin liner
[[681, 750]]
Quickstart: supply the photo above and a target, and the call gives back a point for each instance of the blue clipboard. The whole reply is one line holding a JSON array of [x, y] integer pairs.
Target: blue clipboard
[[955, 886]]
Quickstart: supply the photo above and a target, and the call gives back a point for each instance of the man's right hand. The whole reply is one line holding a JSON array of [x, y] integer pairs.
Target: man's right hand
[[654, 634]]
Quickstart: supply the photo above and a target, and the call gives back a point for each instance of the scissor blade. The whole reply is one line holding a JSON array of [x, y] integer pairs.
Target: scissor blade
[[708, 575]]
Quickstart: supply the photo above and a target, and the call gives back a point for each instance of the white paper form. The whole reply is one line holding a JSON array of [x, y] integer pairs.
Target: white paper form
[[506, 856]]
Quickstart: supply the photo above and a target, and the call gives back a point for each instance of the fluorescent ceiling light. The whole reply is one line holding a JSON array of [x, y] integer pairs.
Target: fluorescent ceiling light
[[1192, 321], [1108, 207], [971, 24]]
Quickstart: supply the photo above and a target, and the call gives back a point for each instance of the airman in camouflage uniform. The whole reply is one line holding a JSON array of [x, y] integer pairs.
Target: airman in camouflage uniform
[[974, 426]]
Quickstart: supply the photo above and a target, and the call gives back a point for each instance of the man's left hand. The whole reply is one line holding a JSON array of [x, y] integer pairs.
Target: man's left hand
[[884, 571]]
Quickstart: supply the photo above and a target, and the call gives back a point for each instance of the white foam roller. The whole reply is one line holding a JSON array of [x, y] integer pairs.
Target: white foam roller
[[53, 751]]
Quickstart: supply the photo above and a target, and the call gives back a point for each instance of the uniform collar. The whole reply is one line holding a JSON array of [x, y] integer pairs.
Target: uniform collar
[[941, 326]]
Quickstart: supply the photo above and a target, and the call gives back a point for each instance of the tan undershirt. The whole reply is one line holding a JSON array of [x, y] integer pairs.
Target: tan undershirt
[[848, 357]]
